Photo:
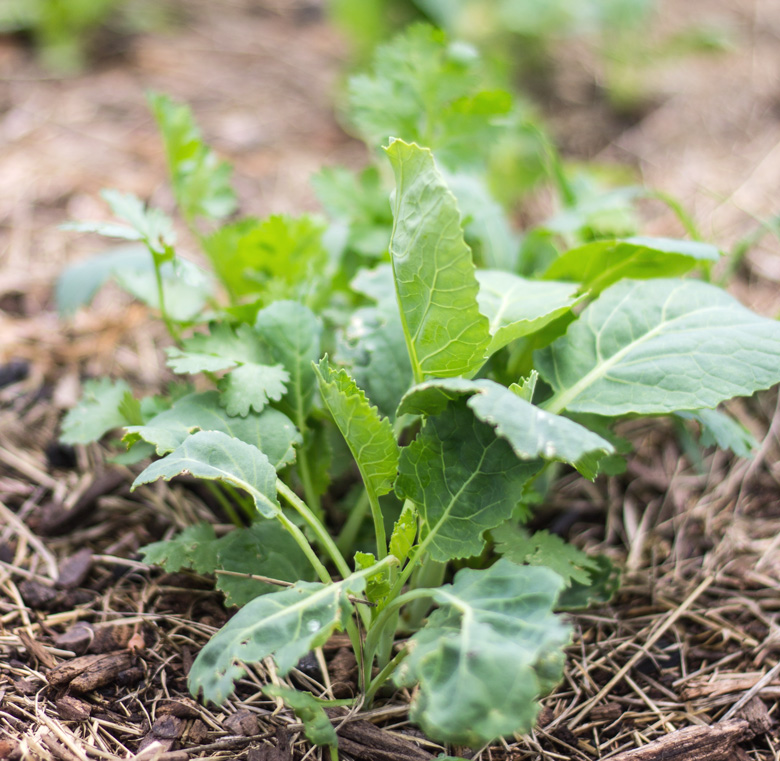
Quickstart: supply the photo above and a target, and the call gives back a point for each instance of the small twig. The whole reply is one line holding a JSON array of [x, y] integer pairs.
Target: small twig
[[753, 691]]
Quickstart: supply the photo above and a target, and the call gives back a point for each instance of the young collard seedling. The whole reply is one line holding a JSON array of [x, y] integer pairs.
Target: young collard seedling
[[450, 389]]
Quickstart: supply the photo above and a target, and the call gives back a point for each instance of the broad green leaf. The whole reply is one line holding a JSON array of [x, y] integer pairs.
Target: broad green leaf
[[97, 412], [80, 281], [216, 456], [291, 332], [263, 549], [270, 431], [531, 432], [285, 625], [251, 387], [721, 430], [463, 480], [659, 346], [404, 533], [543, 548], [316, 724], [201, 181], [434, 275], [599, 264], [487, 655], [517, 307], [369, 437], [377, 284]]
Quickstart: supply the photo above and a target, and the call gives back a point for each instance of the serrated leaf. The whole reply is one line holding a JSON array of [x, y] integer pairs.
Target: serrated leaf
[[602, 586], [660, 346], [404, 533], [79, 282], [270, 431], [216, 456], [375, 348], [201, 181], [222, 348], [517, 307], [369, 437], [316, 724], [486, 656], [97, 412], [291, 332], [192, 548], [434, 273], [599, 264], [285, 625], [527, 386], [546, 549], [463, 480], [531, 432], [719, 429], [251, 387]]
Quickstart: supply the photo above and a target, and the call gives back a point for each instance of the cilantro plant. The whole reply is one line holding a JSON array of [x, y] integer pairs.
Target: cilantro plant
[[380, 410]]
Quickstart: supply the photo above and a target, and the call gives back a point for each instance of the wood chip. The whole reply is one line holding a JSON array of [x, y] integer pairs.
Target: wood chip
[[75, 569], [89, 672], [242, 723], [73, 709]]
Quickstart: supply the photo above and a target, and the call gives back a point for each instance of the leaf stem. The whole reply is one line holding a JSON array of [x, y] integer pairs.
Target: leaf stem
[[169, 326], [323, 537], [382, 676], [303, 543], [349, 531], [224, 503]]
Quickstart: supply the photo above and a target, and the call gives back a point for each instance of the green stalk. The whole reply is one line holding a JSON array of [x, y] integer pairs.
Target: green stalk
[[303, 543], [349, 531], [169, 326], [429, 575], [323, 537], [224, 503], [304, 471], [382, 677]]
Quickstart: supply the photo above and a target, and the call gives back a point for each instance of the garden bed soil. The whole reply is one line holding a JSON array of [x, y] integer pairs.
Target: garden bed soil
[[95, 645]]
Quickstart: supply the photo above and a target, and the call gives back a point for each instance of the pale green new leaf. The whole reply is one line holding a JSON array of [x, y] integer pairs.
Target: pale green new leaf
[[369, 437], [291, 333], [463, 480], [216, 456], [487, 655], [599, 264], [201, 181], [543, 548], [251, 387], [285, 625], [404, 533], [434, 274], [517, 307], [659, 346], [152, 226], [270, 431], [97, 412], [377, 584], [531, 432], [316, 724]]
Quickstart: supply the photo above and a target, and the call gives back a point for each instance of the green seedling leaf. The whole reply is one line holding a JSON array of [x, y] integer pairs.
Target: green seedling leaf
[[316, 724], [721, 430], [377, 584], [369, 437], [79, 282], [285, 625], [219, 349], [97, 412], [251, 387], [291, 333], [270, 431], [216, 456], [531, 432], [463, 480], [527, 386], [263, 549], [659, 346], [599, 264], [201, 182], [151, 226], [602, 586], [543, 548], [404, 533], [517, 307], [435, 283], [486, 656]]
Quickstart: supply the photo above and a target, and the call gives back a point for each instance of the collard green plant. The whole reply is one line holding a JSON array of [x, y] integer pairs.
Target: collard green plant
[[402, 380]]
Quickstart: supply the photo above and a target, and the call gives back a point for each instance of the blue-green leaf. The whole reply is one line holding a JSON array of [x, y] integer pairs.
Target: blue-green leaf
[[316, 724], [659, 346], [487, 655], [97, 412], [216, 456]]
